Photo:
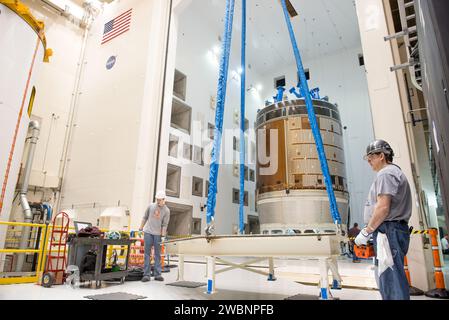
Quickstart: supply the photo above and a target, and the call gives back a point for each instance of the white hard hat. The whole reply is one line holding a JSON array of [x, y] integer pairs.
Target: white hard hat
[[160, 194]]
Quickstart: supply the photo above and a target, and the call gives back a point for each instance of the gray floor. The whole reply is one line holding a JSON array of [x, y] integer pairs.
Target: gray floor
[[235, 284]]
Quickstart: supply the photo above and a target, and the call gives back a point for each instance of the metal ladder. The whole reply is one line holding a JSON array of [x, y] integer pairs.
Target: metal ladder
[[410, 34]]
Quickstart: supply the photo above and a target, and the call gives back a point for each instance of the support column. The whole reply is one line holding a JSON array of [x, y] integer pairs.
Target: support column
[[333, 265], [386, 109], [324, 283], [149, 135]]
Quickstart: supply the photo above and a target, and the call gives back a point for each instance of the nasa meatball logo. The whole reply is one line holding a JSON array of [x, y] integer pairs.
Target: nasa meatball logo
[[111, 62]]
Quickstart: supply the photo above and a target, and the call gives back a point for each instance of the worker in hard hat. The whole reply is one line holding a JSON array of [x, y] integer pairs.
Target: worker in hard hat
[[154, 226], [387, 212]]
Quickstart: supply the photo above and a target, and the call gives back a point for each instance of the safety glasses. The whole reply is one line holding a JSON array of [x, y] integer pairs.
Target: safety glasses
[[371, 156]]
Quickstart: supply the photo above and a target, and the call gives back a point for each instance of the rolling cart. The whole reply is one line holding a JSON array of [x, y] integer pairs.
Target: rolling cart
[[80, 246]]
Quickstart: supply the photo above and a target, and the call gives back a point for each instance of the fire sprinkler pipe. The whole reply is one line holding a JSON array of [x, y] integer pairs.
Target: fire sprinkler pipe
[[28, 215]]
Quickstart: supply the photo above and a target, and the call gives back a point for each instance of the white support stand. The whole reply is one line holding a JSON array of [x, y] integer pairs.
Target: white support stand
[[181, 268], [211, 271], [210, 275], [324, 282], [271, 276], [325, 248], [333, 265], [325, 264], [244, 266]]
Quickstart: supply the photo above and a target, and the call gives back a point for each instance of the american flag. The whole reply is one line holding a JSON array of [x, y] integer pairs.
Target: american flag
[[117, 26]]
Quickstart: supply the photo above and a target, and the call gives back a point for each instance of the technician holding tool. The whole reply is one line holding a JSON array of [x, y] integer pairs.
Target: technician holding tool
[[387, 212], [154, 226]]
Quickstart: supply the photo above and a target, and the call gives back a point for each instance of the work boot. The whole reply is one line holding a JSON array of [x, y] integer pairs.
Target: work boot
[[158, 278], [146, 279]]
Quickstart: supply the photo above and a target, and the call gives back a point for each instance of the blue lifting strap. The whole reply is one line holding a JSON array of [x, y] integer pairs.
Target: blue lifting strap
[[280, 95], [221, 97], [242, 122], [313, 122]]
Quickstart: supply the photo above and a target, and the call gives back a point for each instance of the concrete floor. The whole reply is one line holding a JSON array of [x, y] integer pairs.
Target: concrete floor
[[235, 284]]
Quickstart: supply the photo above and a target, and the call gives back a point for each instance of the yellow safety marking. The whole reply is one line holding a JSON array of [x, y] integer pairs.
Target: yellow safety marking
[[41, 246], [17, 240], [19, 251], [18, 280], [182, 236], [31, 102], [22, 224], [420, 232]]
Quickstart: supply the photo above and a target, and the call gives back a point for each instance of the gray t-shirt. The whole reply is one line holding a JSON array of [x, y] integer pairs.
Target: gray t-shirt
[[390, 181], [156, 218]]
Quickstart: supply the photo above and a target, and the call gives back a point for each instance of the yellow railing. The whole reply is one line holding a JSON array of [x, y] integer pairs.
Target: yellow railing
[[41, 251]]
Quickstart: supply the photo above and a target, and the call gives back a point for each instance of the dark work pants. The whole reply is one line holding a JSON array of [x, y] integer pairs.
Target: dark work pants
[[393, 283], [152, 241]]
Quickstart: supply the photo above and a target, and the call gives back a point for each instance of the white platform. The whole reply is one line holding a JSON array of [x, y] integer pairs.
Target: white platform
[[308, 246]]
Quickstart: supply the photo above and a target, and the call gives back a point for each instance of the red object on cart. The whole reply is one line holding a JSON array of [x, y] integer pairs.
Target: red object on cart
[[57, 257]]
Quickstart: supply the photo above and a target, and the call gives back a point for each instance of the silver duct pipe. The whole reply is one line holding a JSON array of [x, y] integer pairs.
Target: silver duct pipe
[[28, 215]]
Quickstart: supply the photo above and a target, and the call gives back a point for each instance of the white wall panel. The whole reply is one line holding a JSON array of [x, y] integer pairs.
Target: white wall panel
[[54, 89], [21, 56], [387, 113], [116, 123]]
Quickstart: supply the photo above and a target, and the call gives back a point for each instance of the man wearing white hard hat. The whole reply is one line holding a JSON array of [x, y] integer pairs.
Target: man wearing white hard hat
[[154, 226]]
